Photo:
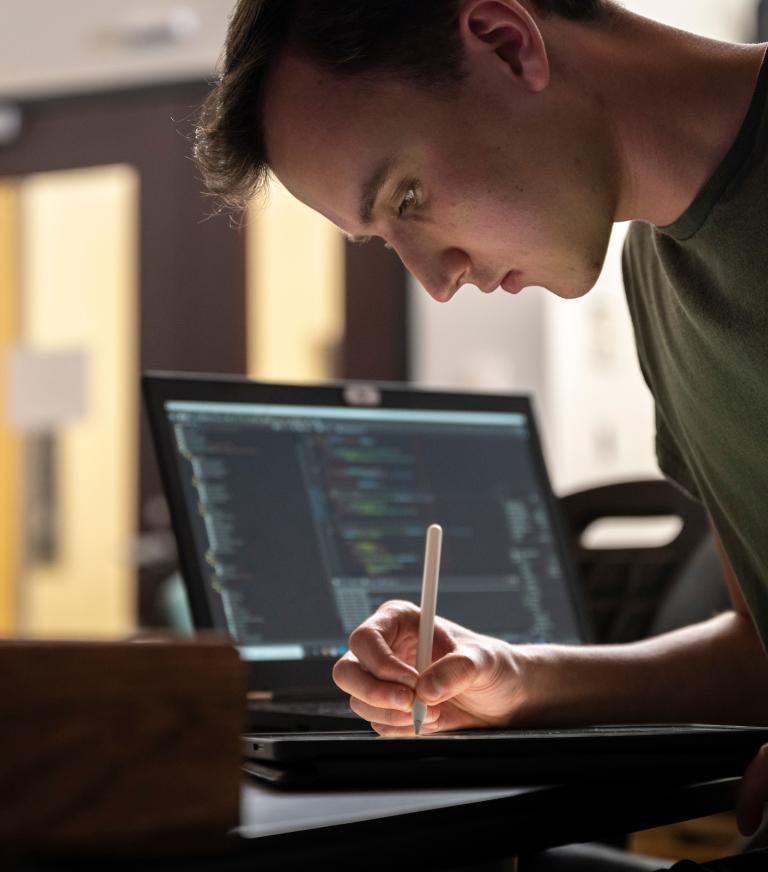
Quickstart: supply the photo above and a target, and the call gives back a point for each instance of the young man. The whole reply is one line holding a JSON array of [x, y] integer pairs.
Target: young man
[[495, 142]]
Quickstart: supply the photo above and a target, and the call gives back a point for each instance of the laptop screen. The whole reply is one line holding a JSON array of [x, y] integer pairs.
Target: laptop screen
[[306, 518]]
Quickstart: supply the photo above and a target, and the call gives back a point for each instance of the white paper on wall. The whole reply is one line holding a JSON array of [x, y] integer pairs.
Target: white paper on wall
[[45, 388]]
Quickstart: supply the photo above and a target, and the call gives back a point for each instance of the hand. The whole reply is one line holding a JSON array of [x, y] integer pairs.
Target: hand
[[753, 794], [473, 681]]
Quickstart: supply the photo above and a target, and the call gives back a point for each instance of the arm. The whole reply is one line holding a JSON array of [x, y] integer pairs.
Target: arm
[[753, 794], [715, 671]]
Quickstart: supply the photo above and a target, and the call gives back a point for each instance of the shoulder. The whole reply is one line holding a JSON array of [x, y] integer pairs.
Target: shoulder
[[638, 243], [638, 261]]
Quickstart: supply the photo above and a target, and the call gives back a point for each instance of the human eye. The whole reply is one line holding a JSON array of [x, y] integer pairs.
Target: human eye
[[408, 200]]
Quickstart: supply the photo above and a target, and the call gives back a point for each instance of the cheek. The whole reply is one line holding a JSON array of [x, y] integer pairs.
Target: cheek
[[489, 209], [497, 218], [502, 226]]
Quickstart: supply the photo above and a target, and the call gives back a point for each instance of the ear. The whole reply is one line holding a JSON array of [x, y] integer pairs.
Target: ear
[[506, 30]]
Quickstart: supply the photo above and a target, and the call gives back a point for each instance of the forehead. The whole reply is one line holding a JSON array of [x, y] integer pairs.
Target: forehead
[[323, 134]]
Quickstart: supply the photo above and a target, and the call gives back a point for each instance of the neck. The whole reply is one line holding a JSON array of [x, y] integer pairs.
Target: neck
[[672, 104]]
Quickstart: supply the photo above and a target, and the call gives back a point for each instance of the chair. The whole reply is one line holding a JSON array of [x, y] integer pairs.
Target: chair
[[633, 592]]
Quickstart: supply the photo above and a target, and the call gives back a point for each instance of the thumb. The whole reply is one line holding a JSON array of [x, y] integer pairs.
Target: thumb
[[446, 678]]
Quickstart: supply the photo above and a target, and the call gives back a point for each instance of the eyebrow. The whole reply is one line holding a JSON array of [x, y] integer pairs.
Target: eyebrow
[[370, 190]]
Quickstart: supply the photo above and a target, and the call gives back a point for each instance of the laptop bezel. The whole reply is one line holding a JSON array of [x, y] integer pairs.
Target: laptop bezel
[[306, 676]]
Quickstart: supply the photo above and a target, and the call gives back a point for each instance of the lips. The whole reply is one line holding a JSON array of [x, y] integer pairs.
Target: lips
[[512, 282]]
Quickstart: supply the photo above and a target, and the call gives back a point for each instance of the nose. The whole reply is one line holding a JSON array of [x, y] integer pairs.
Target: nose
[[441, 272]]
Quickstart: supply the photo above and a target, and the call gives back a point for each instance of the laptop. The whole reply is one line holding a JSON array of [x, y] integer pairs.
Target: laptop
[[607, 753], [298, 510]]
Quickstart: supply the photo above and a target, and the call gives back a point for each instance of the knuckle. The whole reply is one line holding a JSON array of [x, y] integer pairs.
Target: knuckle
[[464, 662], [357, 707], [388, 717], [396, 718], [459, 667], [484, 661], [484, 657], [380, 696], [358, 636], [399, 606], [400, 718], [340, 671], [391, 669]]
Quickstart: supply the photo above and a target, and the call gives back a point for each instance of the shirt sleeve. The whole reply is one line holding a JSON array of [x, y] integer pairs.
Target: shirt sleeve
[[670, 460]]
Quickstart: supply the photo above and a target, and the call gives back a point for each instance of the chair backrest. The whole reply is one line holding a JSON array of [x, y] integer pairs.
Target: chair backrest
[[624, 586]]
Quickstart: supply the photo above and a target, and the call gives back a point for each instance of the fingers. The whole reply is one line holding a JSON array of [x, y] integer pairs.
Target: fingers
[[381, 684], [374, 654], [399, 732], [372, 642], [358, 682], [389, 717], [446, 678], [753, 794]]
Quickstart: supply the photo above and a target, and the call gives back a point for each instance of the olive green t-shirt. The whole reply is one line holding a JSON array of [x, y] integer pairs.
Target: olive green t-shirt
[[698, 297]]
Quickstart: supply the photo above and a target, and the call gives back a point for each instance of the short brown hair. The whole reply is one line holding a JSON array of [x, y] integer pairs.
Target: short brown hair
[[345, 37]]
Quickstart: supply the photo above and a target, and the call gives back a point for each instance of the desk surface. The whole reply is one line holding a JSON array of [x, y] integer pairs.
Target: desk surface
[[267, 812], [451, 827], [429, 829]]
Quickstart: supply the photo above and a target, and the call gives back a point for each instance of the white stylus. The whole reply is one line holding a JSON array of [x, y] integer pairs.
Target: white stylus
[[427, 618]]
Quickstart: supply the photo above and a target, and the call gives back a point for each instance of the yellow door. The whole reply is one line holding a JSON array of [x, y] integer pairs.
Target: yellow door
[[10, 449], [76, 291]]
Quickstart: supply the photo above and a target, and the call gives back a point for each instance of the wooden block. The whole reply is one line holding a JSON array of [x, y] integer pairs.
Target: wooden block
[[118, 748]]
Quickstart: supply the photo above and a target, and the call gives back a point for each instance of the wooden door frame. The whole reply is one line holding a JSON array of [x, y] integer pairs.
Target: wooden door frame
[[376, 314]]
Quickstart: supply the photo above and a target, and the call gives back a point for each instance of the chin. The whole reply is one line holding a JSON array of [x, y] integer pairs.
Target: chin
[[567, 292], [575, 287]]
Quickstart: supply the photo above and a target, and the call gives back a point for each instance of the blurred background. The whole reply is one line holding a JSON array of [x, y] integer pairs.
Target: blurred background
[[112, 262]]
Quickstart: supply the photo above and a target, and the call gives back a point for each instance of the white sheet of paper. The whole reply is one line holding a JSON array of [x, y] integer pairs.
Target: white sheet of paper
[[265, 811], [45, 388]]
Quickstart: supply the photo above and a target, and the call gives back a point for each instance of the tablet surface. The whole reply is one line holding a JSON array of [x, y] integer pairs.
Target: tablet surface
[[599, 753]]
